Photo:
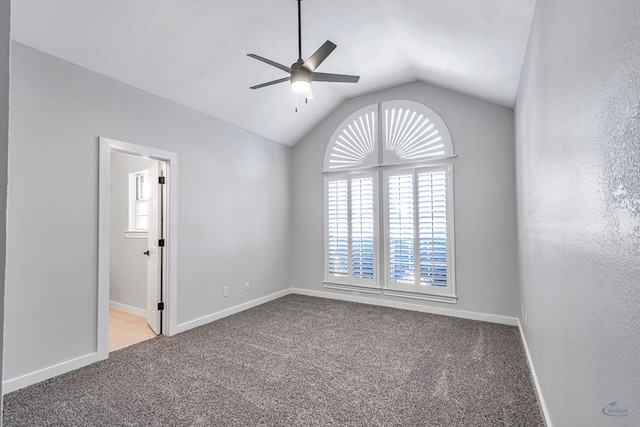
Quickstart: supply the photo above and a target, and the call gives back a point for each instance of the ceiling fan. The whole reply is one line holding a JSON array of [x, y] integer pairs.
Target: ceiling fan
[[302, 73]]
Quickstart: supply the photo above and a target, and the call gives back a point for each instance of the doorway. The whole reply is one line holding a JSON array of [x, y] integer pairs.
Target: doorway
[[137, 244], [136, 261]]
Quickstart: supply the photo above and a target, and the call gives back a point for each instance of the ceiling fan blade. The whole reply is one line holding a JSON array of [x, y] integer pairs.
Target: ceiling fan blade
[[274, 82], [270, 62], [319, 56], [337, 78]]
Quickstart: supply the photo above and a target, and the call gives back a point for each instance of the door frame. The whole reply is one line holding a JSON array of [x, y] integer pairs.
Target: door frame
[[169, 291]]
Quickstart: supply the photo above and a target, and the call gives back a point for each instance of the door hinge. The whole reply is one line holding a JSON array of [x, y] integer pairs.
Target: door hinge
[[160, 306], [161, 180], [161, 243]]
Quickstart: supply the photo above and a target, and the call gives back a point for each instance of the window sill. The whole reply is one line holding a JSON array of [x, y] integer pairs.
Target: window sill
[[356, 288], [392, 293], [425, 297], [135, 234]]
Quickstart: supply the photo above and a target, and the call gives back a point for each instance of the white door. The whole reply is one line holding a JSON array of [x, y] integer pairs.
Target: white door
[[154, 264]]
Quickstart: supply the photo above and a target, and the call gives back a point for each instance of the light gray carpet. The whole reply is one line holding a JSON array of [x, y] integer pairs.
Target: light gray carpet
[[299, 361]]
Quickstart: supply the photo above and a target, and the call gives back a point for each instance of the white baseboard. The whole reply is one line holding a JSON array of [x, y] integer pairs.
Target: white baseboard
[[444, 311], [128, 308], [543, 406], [229, 311], [23, 381]]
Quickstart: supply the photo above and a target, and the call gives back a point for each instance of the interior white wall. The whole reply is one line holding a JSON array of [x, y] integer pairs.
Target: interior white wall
[[234, 204], [128, 264], [5, 47], [484, 181], [578, 157]]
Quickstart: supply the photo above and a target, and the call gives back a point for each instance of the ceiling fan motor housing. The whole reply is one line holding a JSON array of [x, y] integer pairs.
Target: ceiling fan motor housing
[[301, 78], [300, 72]]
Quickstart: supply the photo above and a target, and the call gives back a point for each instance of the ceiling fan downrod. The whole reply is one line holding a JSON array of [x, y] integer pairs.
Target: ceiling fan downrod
[[299, 32]]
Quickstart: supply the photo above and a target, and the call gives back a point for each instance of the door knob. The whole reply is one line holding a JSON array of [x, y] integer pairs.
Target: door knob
[[146, 252]]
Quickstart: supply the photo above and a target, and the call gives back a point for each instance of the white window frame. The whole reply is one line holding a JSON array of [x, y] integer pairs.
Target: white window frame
[[345, 282], [133, 232], [416, 289], [380, 163]]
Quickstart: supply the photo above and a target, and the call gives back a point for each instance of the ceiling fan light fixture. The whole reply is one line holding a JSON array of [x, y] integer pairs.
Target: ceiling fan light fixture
[[300, 85]]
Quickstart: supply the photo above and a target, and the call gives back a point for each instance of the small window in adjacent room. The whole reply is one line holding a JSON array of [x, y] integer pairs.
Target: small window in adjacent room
[[398, 240], [139, 190]]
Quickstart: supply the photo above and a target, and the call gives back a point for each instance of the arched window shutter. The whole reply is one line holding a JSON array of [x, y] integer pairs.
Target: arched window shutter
[[354, 144], [410, 132], [413, 132]]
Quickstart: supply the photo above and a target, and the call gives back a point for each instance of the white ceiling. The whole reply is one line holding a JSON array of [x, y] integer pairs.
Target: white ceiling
[[193, 52]]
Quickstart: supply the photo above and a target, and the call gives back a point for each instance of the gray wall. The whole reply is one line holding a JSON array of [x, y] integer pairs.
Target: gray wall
[[234, 205], [484, 180], [5, 45], [578, 157], [128, 264]]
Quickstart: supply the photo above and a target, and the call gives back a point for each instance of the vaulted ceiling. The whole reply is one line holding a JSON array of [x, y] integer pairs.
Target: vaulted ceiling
[[193, 52]]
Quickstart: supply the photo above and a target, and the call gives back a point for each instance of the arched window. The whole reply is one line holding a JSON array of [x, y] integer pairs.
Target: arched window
[[397, 240], [410, 132]]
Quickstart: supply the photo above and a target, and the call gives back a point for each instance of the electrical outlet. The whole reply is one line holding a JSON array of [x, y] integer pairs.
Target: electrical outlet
[[522, 311], [246, 286], [526, 320], [356, 293], [225, 291]]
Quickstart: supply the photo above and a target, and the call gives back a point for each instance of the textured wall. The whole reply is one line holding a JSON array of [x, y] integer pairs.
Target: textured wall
[[233, 205], [128, 264], [484, 181], [578, 169], [4, 149]]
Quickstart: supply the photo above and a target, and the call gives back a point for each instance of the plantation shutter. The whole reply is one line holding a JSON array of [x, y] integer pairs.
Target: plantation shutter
[[432, 228], [354, 144], [351, 230], [418, 231], [362, 228], [338, 228], [413, 132], [401, 229]]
